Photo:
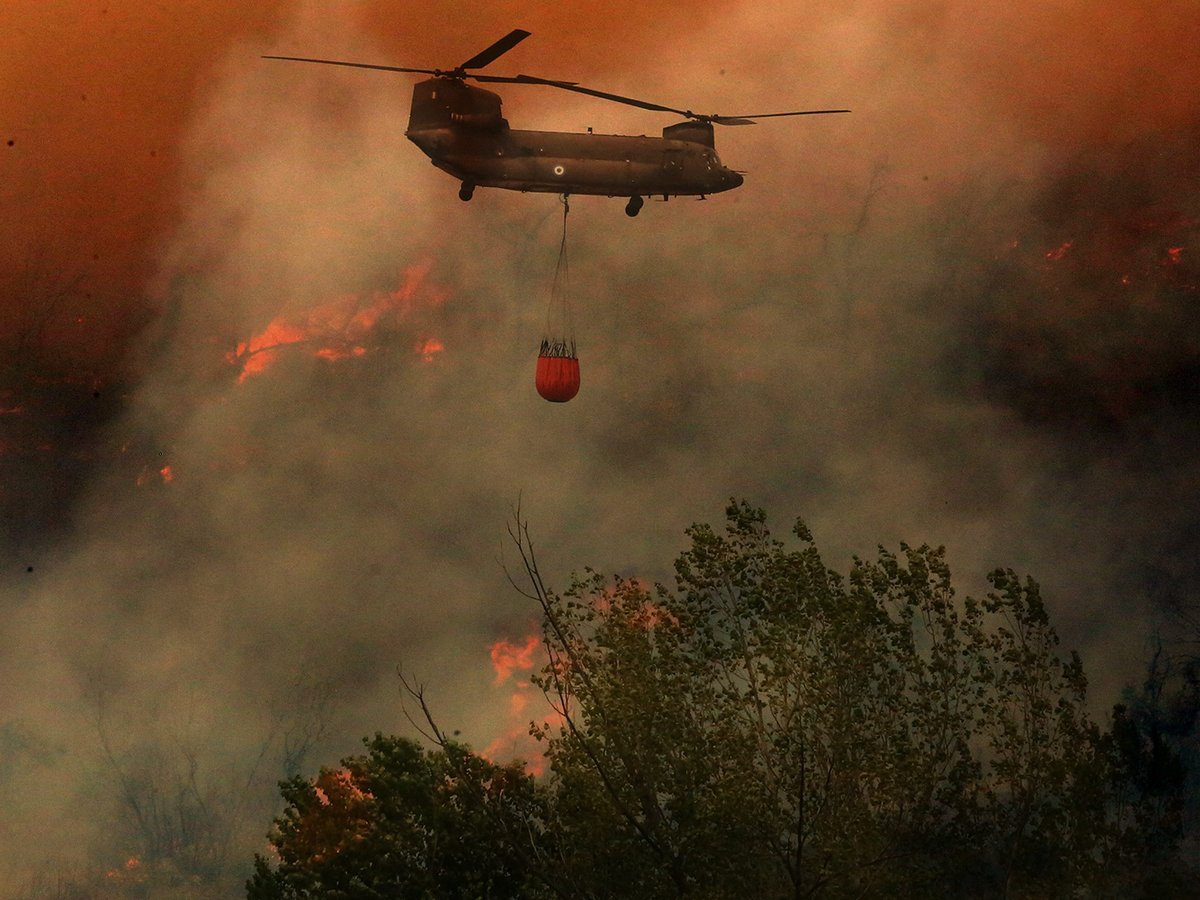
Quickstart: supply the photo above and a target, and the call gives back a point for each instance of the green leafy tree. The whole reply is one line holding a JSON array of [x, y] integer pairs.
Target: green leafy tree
[[766, 728], [770, 728], [405, 822]]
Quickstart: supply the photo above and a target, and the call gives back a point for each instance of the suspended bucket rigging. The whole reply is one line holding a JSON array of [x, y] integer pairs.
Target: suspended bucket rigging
[[557, 376]]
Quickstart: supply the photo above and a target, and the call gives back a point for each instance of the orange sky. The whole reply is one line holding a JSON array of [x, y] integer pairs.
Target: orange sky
[[96, 95], [847, 364]]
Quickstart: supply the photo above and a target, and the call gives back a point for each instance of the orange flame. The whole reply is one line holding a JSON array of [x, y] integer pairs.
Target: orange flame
[[341, 817], [166, 474], [341, 328], [508, 660], [508, 657]]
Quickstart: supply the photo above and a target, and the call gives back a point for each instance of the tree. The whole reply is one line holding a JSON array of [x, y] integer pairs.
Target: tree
[[771, 728], [1153, 745], [403, 822]]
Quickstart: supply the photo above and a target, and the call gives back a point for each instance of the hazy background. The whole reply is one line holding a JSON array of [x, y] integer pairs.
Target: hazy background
[[964, 314]]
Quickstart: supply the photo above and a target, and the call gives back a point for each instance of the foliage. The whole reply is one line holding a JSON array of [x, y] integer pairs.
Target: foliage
[[404, 822], [767, 728], [1153, 745]]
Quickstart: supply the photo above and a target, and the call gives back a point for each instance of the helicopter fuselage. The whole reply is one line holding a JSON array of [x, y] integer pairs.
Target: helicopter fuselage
[[459, 127], [610, 165]]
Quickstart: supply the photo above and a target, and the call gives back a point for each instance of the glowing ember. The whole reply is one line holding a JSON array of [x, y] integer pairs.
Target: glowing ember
[[332, 353], [430, 348], [1174, 256], [1060, 251], [166, 474], [125, 873]]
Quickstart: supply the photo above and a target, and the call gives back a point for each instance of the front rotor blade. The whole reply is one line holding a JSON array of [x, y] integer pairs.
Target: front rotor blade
[[354, 65], [498, 49], [604, 95]]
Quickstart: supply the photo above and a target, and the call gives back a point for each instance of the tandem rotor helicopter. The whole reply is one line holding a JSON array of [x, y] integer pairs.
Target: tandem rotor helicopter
[[459, 127]]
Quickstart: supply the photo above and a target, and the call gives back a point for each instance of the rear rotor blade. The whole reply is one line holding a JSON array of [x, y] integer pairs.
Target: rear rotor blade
[[511, 79], [749, 120], [658, 107], [498, 49]]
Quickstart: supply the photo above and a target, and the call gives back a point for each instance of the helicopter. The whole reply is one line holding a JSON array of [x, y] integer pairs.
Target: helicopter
[[461, 129]]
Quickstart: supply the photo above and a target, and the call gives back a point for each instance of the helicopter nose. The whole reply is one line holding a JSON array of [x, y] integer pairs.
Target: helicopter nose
[[731, 179]]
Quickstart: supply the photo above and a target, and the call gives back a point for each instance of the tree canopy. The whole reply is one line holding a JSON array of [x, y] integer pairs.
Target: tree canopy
[[766, 727]]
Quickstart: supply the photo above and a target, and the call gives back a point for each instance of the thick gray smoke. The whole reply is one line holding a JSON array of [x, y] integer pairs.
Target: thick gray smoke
[[881, 331]]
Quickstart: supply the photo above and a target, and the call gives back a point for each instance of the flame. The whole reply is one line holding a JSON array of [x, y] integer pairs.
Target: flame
[[511, 659], [166, 474], [1174, 256], [508, 657], [341, 817], [341, 328], [128, 871]]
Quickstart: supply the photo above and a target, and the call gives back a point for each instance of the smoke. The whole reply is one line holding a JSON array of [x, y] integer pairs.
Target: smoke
[[877, 332]]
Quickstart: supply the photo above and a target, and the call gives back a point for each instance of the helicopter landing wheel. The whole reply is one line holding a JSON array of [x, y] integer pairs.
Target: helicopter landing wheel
[[634, 206], [466, 192]]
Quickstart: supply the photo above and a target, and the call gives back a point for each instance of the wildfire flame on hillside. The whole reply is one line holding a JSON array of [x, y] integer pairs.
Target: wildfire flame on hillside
[[344, 328], [1093, 324]]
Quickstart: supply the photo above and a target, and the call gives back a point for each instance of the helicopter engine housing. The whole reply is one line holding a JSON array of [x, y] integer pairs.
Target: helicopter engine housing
[[696, 132], [443, 102]]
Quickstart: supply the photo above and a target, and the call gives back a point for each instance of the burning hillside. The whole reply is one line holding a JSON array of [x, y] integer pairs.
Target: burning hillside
[[1092, 315], [347, 327]]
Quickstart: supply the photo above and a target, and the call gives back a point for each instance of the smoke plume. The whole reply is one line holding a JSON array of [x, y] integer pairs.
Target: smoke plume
[[270, 400]]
